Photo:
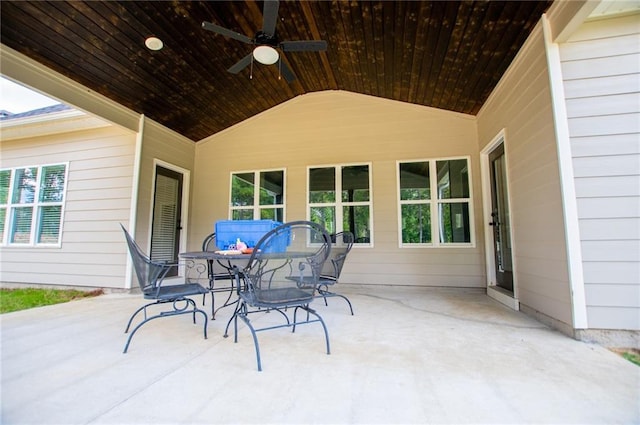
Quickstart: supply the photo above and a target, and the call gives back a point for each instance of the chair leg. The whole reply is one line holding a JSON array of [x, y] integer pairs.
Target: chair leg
[[193, 303], [143, 308], [126, 347], [195, 309], [175, 312], [206, 319], [282, 313], [325, 294], [246, 320], [326, 331], [243, 313], [204, 302], [213, 305], [311, 311], [235, 325], [346, 299], [231, 319], [226, 303]]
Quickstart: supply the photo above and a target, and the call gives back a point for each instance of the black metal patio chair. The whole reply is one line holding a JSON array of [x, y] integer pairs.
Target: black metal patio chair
[[282, 276], [150, 275], [341, 246]]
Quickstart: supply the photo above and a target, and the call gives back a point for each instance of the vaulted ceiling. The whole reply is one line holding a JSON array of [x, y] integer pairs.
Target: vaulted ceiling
[[443, 54]]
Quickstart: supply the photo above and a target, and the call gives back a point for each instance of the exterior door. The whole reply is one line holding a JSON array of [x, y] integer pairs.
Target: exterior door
[[500, 219], [166, 227]]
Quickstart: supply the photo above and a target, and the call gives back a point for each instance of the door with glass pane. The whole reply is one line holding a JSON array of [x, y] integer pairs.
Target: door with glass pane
[[500, 220], [166, 227]]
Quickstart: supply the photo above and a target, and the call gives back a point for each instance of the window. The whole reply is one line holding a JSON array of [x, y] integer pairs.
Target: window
[[257, 195], [415, 206], [31, 201], [340, 199], [435, 203]]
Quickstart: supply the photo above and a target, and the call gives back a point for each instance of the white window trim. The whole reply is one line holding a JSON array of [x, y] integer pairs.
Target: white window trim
[[434, 202], [36, 205], [257, 208], [338, 204]]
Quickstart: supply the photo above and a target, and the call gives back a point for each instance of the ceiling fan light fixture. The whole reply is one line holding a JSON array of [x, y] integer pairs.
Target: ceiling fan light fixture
[[266, 55], [153, 43]]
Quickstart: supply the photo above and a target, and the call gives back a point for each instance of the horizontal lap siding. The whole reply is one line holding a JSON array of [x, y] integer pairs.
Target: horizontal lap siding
[[98, 197], [330, 128], [521, 104], [601, 71]]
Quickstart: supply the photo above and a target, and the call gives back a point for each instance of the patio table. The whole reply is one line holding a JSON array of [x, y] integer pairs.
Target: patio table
[[227, 262]]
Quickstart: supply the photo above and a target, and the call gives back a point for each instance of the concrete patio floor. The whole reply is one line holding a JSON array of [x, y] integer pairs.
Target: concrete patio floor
[[409, 355]]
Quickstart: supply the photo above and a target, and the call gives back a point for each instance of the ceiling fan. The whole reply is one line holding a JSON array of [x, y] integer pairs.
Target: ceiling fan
[[266, 42]]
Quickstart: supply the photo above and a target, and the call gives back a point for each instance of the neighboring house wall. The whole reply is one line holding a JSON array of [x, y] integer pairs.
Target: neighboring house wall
[[335, 127], [146, 141], [521, 104], [98, 197], [601, 72]]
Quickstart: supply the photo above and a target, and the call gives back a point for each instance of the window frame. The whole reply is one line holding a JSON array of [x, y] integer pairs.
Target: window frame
[[36, 225], [256, 207], [338, 204], [434, 203]]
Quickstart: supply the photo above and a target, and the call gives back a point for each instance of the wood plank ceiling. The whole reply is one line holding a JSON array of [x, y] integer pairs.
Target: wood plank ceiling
[[444, 54]]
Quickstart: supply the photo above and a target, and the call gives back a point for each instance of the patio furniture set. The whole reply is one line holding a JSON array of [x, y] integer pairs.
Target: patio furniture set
[[289, 266]]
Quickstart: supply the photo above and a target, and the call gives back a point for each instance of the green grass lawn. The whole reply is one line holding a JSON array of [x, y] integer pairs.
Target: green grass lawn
[[24, 298], [632, 357], [631, 354]]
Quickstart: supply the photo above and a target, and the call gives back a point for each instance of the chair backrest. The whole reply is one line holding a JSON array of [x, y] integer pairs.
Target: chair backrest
[[209, 243], [214, 269], [341, 245], [149, 273], [289, 257]]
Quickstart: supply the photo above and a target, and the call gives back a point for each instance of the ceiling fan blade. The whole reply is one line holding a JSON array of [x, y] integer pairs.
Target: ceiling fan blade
[[241, 64], [303, 46], [270, 17], [226, 32], [286, 72]]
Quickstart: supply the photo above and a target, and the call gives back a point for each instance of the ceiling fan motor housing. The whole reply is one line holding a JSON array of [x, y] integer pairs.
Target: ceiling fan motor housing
[[264, 39]]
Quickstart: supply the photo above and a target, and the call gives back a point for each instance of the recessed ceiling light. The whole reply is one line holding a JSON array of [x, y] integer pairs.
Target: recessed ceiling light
[[153, 43]]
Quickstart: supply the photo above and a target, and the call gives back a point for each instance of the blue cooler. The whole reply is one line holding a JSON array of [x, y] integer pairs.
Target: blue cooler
[[248, 231]]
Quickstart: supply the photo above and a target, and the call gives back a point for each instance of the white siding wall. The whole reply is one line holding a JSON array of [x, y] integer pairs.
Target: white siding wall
[[521, 104], [98, 198], [601, 72], [335, 128]]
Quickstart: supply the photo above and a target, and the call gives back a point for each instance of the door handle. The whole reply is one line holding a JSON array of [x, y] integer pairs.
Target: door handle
[[494, 218]]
